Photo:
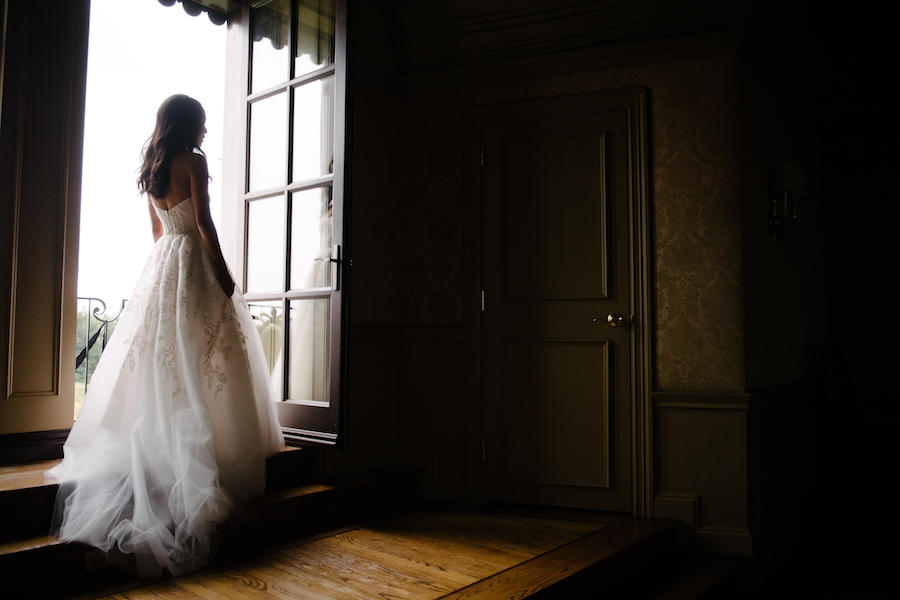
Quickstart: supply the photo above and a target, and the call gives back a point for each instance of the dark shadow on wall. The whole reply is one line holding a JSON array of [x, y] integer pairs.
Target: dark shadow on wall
[[821, 320]]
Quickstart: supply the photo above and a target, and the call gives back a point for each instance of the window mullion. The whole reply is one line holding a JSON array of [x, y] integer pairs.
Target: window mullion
[[286, 349]]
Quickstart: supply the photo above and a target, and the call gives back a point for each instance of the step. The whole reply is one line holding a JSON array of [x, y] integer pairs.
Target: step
[[276, 515], [655, 566], [700, 576], [26, 499], [599, 565]]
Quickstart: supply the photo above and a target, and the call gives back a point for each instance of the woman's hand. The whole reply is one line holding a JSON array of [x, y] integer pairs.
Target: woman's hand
[[228, 287], [225, 281], [227, 284]]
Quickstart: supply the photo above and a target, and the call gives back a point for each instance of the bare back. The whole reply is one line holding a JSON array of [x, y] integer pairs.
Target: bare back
[[179, 181]]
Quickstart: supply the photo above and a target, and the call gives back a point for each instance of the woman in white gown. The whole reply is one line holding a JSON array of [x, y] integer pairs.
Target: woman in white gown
[[178, 419]]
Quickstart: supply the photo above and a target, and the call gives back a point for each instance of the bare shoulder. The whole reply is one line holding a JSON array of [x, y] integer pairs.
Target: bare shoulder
[[191, 162]]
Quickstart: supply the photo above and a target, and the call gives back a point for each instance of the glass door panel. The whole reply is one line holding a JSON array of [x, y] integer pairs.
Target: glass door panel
[[265, 245], [311, 239], [315, 36], [308, 374], [313, 129], [268, 316], [270, 35], [268, 142]]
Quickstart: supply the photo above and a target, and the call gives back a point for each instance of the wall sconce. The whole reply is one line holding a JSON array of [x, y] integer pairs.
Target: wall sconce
[[788, 189]]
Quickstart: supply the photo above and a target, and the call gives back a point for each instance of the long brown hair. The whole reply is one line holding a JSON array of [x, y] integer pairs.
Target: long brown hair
[[179, 122]]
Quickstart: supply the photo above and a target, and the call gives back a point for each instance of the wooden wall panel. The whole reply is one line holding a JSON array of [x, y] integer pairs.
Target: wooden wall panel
[[45, 60], [702, 465]]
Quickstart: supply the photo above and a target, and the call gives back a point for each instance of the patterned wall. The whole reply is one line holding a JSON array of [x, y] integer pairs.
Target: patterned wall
[[697, 228], [695, 183]]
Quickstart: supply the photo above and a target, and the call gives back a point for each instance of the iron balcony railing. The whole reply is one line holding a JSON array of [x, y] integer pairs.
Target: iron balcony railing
[[95, 312]]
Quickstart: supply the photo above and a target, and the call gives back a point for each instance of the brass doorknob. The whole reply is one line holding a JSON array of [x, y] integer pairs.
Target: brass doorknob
[[614, 320]]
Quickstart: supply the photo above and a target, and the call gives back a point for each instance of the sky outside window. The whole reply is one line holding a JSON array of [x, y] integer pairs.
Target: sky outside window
[[140, 52]]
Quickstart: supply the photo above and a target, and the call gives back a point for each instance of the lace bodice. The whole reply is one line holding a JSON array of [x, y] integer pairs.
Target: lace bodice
[[178, 219]]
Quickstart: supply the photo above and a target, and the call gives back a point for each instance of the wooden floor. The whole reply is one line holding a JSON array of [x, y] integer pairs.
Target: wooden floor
[[449, 552], [429, 551]]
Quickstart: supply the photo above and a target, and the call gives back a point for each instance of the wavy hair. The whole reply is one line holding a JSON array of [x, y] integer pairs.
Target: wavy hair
[[179, 122]]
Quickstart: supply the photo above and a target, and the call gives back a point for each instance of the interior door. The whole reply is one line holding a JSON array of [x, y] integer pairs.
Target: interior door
[[556, 187]]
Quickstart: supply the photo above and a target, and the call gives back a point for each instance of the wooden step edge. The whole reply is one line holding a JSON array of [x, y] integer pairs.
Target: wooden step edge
[[542, 575], [16, 478], [379, 478], [26, 544], [697, 575]]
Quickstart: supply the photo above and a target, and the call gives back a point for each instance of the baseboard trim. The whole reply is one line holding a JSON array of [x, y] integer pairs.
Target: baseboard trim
[[702, 400], [684, 507], [737, 541], [30, 446]]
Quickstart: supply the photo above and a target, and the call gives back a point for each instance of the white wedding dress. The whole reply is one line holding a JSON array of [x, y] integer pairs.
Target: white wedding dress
[[178, 419]]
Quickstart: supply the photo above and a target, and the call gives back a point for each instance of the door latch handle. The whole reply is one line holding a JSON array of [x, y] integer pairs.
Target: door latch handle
[[614, 320]]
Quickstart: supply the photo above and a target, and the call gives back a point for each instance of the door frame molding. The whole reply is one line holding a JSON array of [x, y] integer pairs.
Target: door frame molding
[[634, 102]]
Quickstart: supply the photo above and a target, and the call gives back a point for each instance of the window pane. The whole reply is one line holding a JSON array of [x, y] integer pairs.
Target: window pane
[[265, 245], [315, 35], [311, 239], [313, 128], [268, 142], [269, 320], [308, 374], [270, 44]]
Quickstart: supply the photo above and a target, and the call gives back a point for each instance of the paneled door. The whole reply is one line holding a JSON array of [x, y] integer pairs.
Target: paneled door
[[562, 302]]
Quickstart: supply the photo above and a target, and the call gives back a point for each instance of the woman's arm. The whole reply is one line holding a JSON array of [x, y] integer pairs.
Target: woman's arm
[[155, 223], [197, 171]]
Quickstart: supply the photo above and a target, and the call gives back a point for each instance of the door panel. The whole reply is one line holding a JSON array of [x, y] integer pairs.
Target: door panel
[[547, 383], [546, 223], [557, 378]]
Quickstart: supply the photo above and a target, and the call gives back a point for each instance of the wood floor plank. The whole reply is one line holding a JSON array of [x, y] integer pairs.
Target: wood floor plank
[[291, 584], [418, 571], [484, 536], [172, 591], [147, 594], [361, 576], [214, 585], [468, 559]]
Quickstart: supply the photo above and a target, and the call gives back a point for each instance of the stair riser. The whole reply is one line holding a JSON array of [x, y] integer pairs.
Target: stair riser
[[26, 513]]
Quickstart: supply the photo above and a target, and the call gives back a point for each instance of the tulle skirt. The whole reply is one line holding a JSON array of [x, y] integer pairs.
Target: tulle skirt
[[176, 423]]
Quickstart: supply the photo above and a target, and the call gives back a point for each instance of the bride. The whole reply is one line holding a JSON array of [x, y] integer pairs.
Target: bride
[[178, 419]]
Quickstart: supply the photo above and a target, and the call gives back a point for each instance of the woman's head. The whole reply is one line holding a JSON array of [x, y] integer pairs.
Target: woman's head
[[180, 126]]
